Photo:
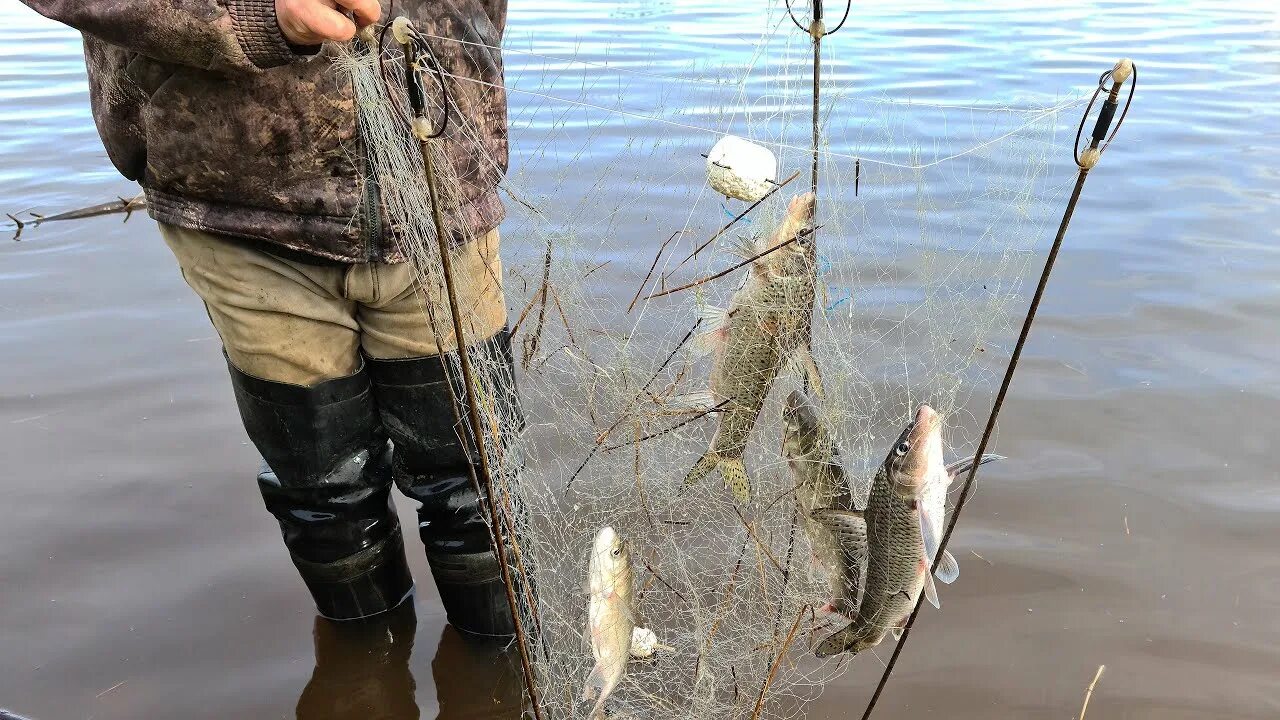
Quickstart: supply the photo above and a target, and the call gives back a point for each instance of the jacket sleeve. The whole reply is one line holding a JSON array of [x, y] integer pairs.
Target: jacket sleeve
[[212, 34]]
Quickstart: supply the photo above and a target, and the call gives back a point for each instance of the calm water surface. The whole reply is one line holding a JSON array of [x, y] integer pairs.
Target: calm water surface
[[1139, 526]]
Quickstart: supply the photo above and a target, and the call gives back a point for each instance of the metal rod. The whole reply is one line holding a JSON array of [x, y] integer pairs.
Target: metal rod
[[987, 432], [483, 476], [477, 431]]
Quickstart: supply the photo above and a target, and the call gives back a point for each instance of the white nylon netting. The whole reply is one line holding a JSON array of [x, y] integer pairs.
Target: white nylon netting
[[919, 279]]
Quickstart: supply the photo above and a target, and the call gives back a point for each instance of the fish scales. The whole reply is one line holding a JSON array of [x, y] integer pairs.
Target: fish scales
[[895, 573], [817, 476], [766, 326], [903, 522], [610, 620]]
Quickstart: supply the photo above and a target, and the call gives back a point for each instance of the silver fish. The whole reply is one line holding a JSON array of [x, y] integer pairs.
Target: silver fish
[[902, 525], [767, 325], [610, 622]]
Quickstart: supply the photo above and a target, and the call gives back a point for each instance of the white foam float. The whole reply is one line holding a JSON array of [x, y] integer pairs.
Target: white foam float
[[741, 169]]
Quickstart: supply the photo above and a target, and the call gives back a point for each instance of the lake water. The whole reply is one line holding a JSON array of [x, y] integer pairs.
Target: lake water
[[1137, 526]]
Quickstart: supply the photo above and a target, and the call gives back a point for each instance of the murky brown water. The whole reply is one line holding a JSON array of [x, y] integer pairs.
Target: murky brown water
[[1138, 527]]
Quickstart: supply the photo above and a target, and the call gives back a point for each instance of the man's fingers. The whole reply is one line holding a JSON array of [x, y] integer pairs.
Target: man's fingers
[[367, 12], [328, 24]]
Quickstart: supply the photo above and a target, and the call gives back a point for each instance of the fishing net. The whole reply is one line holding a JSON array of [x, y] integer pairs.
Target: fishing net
[[929, 218]]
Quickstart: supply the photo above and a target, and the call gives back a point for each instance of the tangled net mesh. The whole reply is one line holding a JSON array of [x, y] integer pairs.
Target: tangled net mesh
[[919, 281]]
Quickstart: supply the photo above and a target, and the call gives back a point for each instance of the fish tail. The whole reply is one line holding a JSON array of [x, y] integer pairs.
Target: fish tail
[[734, 471], [597, 711], [595, 682], [702, 468], [841, 641]]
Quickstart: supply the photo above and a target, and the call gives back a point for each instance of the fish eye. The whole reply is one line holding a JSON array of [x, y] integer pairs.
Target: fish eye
[[616, 552], [903, 448]]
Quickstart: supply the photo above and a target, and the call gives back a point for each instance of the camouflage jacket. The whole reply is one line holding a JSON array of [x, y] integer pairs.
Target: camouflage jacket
[[230, 129]]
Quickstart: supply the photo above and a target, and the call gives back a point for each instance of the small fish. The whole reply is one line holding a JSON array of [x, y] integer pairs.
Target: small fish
[[767, 325], [902, 525], [817, 476], [610, 622]]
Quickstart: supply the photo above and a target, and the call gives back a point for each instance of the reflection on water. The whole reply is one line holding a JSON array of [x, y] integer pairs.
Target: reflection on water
[[363, 672], [1135, 524]]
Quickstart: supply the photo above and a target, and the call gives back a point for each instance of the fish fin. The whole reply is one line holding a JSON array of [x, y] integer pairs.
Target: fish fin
[[963, 465], [947, 569], [929, 535], [896, 632], [840, 520], [745, 247], [701, 469], [840, 641], [931, 590], [595, 681], [713, 324], [734, 472], [805, 362], [698, 400]]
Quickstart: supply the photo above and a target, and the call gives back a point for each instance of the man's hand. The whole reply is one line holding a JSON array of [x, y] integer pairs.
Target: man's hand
[[311, 22]]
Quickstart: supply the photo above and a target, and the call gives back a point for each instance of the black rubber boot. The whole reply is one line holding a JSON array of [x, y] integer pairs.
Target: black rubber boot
[[433, 467], [328, 480]]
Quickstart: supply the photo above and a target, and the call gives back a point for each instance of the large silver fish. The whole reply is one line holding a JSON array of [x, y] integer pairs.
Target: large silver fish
[[901, 529], [817, 476], [610, 622], [766, 326]]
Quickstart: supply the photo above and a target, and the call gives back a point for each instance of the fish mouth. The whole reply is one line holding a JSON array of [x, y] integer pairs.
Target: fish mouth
[[913, 468], [802, 204], [923, 426]]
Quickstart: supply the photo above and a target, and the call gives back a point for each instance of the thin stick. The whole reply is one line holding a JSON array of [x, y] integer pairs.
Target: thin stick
[[649, 567], [736, 218], [987, 432], [802, 234], [752, 532], [119, 205], [1089, 693], [715, 408], [531, 342], [777, 661], [477, 431], [652, 267], [608, 431]]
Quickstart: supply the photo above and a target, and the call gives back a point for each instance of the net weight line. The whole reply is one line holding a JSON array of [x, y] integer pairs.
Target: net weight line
[[1099, 141]]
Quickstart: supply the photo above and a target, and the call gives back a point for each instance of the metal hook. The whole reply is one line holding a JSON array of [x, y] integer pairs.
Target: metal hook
[[818, 16], [420, 58], [1101, 139]]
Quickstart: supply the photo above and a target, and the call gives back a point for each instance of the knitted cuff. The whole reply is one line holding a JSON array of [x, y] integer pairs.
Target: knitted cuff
[[260, 37]]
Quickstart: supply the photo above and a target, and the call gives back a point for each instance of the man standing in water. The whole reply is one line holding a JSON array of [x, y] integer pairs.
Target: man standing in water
[[232, 117]]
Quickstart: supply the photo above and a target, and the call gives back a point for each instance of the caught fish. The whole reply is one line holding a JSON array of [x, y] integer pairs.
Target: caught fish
[[610, 623], [902, 527], [817, 476], [848, 534], [766, 326]]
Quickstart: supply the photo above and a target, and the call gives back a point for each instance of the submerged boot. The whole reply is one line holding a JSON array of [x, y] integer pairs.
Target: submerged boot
[[433, 467], [327, 480]]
